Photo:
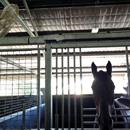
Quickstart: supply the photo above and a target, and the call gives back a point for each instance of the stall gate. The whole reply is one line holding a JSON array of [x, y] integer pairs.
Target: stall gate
[[20, 100], [72, 102], [65, 75]]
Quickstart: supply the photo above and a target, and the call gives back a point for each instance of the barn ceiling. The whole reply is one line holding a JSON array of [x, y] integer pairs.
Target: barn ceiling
[[71, 15], [64, 3]]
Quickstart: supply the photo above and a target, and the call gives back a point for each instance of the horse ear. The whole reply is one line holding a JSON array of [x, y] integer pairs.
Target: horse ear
[[94, 69], [109, 68]]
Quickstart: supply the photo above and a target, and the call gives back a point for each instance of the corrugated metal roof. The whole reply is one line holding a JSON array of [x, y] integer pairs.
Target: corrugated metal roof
[[76, 18]]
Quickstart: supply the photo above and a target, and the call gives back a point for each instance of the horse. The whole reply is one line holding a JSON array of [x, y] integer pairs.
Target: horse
[[103, 92]]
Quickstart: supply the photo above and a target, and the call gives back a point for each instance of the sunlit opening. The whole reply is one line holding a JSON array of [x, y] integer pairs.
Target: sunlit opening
[[80, 83]]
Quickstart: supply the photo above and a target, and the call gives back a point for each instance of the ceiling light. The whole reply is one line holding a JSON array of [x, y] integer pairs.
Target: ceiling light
[[94, 30]]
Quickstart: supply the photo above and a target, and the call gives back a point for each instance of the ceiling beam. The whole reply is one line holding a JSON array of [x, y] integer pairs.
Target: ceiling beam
[[100, 39]]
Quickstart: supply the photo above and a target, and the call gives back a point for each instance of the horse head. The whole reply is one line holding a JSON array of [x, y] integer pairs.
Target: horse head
[[103, 91]]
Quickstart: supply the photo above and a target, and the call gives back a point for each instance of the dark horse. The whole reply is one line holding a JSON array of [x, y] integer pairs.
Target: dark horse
[[103, 91]]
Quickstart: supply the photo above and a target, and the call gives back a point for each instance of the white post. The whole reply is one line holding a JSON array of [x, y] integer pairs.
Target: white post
[[128, 71], [48, 103]]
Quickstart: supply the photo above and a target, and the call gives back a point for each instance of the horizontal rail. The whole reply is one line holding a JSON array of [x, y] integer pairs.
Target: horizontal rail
[[21, 49], [89, 109], [88, 44], [92, 115], [122, 109], [116, 122]]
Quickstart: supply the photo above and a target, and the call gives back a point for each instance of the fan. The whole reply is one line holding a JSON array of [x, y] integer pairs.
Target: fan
[[8, 18]]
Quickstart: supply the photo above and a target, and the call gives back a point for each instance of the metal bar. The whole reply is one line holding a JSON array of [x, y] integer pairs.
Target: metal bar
[[90, 122], [25, 26], [121, 122], [30, 16], [88, 72], [85, 37], [43, 73], [62, 84], [102, 43], [92, 115], [128, 70], [115, 113], [5, 3], [84, 109], [88, 67], [56, 113], [68, 76], [98, 52], [114, 109], [95, 122], [122, 109], [48, 100], [22, 49], [23, 117], [38, 88], [75, 99], [81, 98]]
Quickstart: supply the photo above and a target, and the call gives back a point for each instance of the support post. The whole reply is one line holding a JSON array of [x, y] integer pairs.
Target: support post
[[128, 71], [48, 110], [69, 100], [81, 85], [56, 112], [38, 89]]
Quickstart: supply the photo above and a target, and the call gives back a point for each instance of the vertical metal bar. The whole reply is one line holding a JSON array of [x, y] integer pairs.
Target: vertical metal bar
[[75, 100], [56, 114], [115, 113], [128, 70], [38, 88], [81, 99], [31, 82], [68, 76], [23, 117], [62, 83], [48, 105]]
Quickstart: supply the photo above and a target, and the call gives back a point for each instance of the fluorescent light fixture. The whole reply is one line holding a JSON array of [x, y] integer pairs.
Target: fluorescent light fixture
[[95, 30]]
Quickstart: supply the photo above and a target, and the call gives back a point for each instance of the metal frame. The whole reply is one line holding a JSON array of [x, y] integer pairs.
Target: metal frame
[[37, 74], [62, 45]]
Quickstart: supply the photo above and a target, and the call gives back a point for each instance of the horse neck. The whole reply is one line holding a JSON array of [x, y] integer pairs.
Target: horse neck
[[104, 108], [105, 120]]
